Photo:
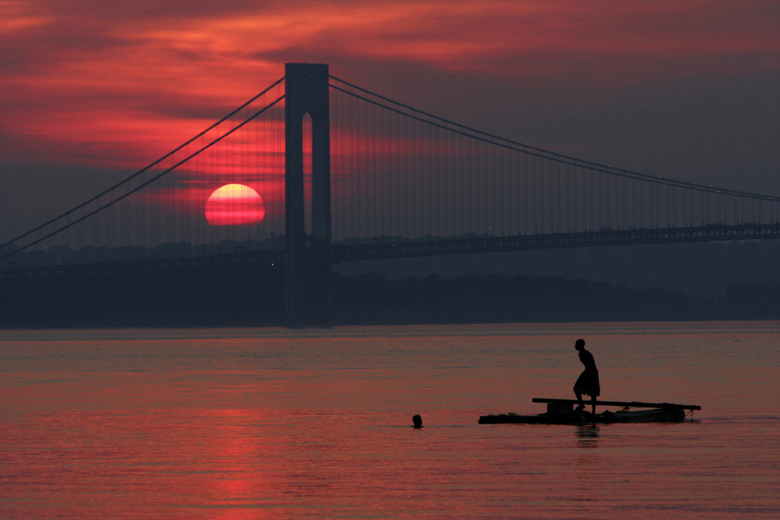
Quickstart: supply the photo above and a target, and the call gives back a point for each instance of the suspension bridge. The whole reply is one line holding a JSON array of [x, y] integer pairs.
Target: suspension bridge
[[315, 170]]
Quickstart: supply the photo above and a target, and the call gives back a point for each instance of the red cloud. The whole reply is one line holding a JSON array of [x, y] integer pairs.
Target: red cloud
[[120, 83]]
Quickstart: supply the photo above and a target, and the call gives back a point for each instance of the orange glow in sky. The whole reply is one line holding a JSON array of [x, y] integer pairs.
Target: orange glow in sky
[[111, 86]]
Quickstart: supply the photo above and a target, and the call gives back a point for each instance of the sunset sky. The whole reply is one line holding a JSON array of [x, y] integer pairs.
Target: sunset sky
[[91, 90]]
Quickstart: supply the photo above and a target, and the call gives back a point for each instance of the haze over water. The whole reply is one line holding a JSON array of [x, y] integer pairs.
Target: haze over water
[[276, 423]]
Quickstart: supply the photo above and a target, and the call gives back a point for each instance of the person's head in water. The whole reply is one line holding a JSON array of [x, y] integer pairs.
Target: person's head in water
[[580, 344], [417, 420]]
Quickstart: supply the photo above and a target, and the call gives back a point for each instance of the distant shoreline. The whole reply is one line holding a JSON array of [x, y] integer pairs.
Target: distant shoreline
[[242, 297]]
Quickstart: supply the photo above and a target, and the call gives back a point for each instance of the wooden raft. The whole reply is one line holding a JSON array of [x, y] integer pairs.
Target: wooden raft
[[626, 404]]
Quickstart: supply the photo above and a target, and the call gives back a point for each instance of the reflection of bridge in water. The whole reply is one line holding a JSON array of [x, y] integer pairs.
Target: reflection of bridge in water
[[346, 174]]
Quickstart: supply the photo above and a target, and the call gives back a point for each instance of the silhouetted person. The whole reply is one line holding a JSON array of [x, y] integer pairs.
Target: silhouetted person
[[588, 382], [417, 420]]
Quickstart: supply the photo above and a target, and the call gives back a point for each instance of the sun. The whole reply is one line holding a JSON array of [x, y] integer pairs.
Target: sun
[[234, 205]]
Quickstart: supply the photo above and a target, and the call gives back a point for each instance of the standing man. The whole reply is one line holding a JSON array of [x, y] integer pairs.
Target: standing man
[[588, 382]]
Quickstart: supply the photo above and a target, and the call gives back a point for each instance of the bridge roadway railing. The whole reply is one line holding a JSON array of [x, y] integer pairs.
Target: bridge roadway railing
[[261, 257], [604, 237], [395, 249]]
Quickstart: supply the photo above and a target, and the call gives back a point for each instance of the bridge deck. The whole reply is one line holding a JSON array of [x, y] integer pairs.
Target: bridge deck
[[397, 249]]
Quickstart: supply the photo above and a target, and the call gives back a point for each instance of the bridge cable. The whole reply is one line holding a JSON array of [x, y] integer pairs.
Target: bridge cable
[[146, 183], [139, 172], [540, 152]]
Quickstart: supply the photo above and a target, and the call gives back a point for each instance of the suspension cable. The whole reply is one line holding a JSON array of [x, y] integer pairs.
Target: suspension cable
[[145, 183], [139, 172], [540, 152]]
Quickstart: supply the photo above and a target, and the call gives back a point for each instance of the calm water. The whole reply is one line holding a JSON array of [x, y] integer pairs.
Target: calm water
[[273, 423]]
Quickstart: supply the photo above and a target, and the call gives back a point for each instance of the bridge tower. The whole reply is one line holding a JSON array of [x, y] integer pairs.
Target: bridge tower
[[306, 284]]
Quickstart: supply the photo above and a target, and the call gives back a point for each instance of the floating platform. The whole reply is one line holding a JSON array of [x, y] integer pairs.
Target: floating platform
[[625, 404], [562, 411]]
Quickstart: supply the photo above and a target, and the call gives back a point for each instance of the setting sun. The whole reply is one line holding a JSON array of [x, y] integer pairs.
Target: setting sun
[[234, 205]]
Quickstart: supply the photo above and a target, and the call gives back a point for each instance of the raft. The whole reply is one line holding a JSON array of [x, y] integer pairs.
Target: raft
[[562, 411]]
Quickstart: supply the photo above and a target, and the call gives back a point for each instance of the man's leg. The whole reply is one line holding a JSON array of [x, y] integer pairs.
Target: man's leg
[[581, 405]]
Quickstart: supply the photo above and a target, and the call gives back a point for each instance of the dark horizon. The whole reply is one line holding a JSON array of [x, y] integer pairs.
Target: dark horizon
[[252, 296]]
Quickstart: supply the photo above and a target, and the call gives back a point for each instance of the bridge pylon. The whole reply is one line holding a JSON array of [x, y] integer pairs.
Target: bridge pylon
[[307, 282]]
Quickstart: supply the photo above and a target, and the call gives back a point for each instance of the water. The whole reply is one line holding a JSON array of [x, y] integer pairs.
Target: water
[[273, 423]]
